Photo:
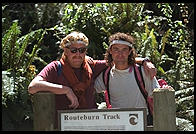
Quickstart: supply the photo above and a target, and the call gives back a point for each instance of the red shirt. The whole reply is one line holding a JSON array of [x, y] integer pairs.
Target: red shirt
[[61, 101]]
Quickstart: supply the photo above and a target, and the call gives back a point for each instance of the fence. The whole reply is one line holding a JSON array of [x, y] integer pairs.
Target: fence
[[164, 116]]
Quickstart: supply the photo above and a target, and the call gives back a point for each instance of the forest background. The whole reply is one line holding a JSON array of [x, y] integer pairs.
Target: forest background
[[31, 33]]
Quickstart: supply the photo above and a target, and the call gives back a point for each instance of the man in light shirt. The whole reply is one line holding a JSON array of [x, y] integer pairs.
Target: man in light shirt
[[123, 88]]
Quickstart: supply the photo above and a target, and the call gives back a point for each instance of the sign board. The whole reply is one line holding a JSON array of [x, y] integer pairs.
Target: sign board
[[123, 119]]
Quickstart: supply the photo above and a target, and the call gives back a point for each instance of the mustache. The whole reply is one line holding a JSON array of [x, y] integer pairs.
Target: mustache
[[77, 57]]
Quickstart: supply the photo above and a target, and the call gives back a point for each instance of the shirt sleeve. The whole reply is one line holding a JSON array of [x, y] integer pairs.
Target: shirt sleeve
[[99, 84], [100, 65], [49, 72], [150, 84]]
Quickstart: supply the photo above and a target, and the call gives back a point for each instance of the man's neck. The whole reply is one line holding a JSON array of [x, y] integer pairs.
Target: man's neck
[[121, 67]]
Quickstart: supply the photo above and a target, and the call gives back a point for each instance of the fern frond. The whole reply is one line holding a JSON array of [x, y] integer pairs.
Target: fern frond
[[184, 125], [8, 37], [184, 91], [40, 33], [188, 98], [9, 49], [164, 40]]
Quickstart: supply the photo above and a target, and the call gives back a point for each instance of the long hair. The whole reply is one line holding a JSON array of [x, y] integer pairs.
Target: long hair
[[124, 37]]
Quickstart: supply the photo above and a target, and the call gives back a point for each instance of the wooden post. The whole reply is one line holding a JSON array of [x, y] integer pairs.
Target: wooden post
[[164, 116], [43, 111]]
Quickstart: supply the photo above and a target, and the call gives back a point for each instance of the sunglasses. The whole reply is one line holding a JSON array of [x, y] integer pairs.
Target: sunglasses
[[75, 50]]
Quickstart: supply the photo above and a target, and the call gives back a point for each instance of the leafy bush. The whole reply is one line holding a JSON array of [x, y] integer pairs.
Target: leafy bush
[[17, 75]]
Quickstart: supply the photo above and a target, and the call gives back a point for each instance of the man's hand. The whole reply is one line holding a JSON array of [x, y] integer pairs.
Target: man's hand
[[149, 69], [40, 84], [73, 99]]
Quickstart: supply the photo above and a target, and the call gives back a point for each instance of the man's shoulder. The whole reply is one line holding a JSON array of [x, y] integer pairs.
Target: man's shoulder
[[51, 65], [49, 70], [93, 62]]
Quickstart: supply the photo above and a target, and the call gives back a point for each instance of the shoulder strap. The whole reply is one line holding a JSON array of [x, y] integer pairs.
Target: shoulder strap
[[140, 69], [141, 85], [106, 77], [140, 81], [59, 68]]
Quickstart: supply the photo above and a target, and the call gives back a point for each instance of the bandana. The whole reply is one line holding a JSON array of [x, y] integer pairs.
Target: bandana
[[121, 42], [78, 87]]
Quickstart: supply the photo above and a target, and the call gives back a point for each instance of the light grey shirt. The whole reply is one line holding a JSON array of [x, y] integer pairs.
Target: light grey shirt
[[123, 88]]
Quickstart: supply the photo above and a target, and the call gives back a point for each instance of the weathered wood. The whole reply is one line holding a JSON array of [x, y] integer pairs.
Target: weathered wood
[[44, 111], [164, 116]]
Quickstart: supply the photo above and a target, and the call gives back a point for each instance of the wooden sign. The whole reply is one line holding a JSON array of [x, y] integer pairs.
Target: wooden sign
[[124, 119]]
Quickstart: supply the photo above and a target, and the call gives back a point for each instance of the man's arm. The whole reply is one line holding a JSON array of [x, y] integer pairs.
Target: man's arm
[[149, 68], [139, 60], [40, 84]]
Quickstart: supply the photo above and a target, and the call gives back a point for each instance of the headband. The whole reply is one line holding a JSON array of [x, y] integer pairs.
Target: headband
[[77, 42], [121, 42]]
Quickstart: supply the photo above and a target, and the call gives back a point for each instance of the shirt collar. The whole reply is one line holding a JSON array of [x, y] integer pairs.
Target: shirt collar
[[125, 70]]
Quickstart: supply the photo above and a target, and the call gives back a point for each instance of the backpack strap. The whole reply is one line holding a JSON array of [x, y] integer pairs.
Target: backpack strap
[[106, 76], [140, 80], [140, 69], [141, 85], [59, 68]]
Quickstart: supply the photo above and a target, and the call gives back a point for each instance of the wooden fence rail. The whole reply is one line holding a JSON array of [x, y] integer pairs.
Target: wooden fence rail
[[164, 111]]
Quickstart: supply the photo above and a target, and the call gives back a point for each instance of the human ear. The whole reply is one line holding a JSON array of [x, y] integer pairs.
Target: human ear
[[65, 51], [110, 51]]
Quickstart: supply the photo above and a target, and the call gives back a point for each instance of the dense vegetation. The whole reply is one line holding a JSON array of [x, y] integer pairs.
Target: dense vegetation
[[31, 34]]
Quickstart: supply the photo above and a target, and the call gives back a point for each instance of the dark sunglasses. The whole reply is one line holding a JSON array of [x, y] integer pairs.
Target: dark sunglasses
[[75, 50]]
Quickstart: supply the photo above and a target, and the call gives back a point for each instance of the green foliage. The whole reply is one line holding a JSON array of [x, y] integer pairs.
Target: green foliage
[[8, 45], [163, 33], [17, 76], [181, 61], [98, 21]]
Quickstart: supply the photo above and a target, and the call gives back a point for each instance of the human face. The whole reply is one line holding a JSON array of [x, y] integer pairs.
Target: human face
[[75, 54], [120, 54]]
